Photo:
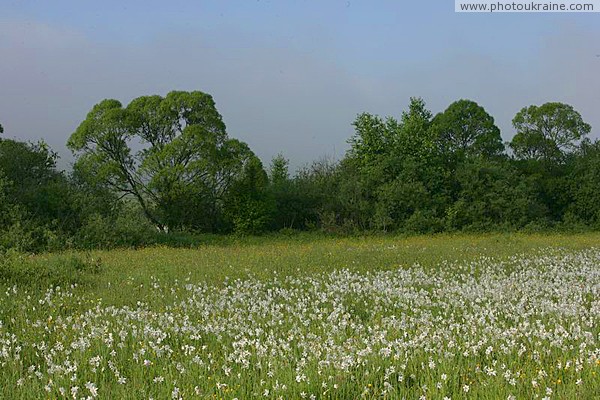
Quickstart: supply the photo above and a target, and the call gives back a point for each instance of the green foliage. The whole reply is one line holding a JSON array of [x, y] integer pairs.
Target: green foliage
[[287, 202], [423, 174], [317, 188], [187, 161], [38, 201], [279, 170], [6, 208], [465, 129], [162, 170], [492, 195], [127, 227], [249, 205], [547, 132], [29, 165], [355, 195], [405, 176], [414, 138], [584, 186], [372, 139]]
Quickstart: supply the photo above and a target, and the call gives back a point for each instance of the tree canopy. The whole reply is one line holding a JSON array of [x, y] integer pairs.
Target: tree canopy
[[547, 132], [168, 163], [465, 129], [172, 154]]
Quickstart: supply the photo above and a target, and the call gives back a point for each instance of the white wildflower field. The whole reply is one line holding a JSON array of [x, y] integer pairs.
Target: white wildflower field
[[520, 326]]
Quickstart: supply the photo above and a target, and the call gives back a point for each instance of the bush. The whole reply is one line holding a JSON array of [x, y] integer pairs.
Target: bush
[[129, 228]]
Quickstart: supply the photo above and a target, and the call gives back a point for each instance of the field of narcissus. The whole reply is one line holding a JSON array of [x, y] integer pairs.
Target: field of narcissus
[[443, 317]]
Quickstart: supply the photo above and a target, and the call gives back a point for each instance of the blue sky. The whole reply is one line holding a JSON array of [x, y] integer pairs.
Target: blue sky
[[287, 76]]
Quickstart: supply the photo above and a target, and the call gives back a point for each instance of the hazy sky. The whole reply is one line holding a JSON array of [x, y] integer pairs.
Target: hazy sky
[[287, 76]]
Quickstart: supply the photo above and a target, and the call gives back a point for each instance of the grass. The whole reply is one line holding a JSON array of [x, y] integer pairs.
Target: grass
[[150, 313], [262, 258]]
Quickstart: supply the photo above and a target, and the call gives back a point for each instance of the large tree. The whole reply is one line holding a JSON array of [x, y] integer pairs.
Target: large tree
[[465, 129], [547, 132], [172, 154]]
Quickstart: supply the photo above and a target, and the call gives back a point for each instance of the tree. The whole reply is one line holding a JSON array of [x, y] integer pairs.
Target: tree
[[493, 194], [249, 204], [372, 139], [547, 132], [413, 137], [36, 186], [398, 171], [1, 129], [584, 181], [380, 143], [279, 170], [40, 209], [465, 129], [171, 154]]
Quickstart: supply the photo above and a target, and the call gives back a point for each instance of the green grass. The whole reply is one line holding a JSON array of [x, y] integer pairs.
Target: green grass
[[228, 284], [262, 258]]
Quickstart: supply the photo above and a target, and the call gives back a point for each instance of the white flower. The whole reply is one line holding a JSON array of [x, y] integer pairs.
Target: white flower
[[92, 388]]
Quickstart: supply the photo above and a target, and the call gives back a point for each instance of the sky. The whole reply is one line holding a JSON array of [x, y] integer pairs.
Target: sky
[[288, 77]]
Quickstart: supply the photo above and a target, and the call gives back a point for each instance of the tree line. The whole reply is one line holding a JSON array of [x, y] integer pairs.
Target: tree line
[[164, 166]]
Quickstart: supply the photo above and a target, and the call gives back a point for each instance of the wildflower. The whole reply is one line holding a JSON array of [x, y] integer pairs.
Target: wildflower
[[92, 388]]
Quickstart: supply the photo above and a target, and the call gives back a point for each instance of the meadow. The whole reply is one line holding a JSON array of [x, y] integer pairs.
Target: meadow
[[496, 316]]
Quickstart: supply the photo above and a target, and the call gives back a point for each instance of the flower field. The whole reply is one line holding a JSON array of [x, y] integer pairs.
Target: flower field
[[517, 326]]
